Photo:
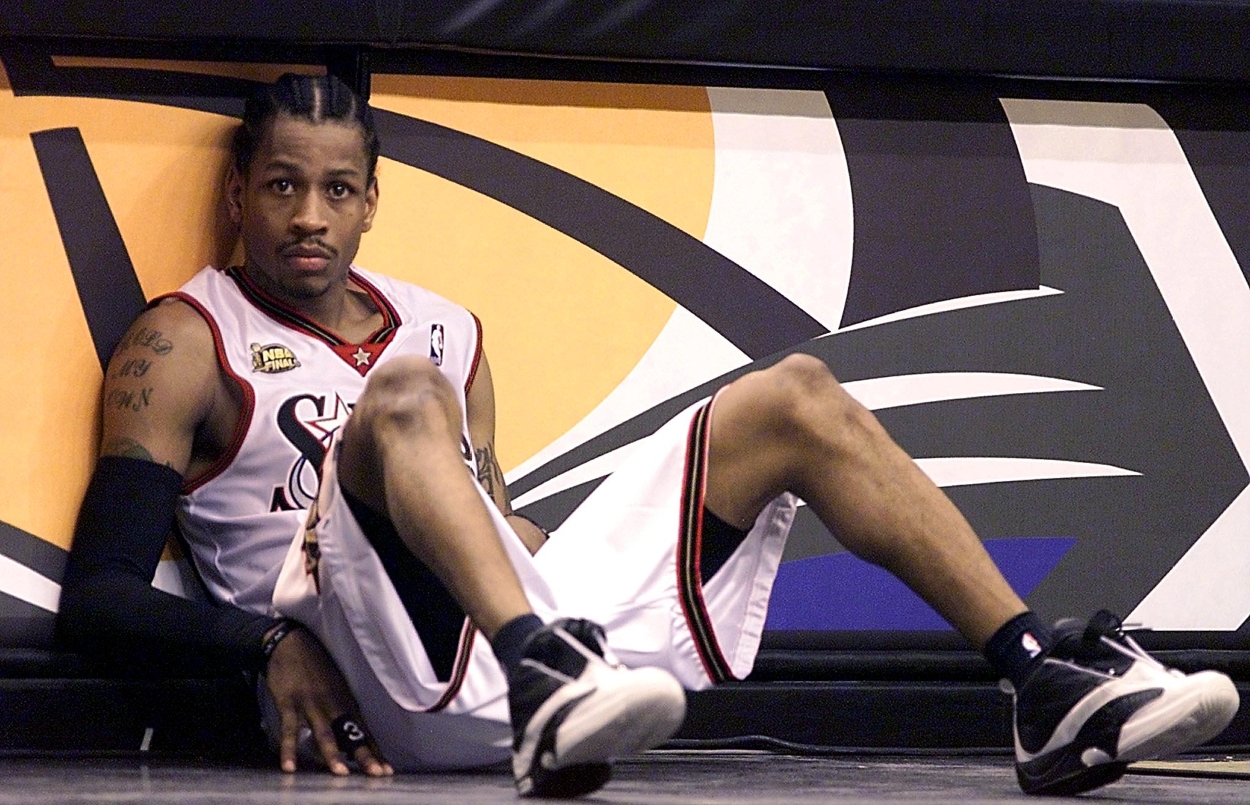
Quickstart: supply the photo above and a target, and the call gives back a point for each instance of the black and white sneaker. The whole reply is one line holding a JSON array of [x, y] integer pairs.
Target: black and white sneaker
[[1099, 702], [574, 709]]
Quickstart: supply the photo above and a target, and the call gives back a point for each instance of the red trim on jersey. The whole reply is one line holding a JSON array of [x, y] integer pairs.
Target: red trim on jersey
[[690, 548], [459, 670], [477, 355], [360, 356], [244, 421]]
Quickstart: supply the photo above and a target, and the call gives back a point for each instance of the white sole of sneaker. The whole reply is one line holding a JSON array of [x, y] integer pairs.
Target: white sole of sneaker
[[622, 717], [1190, 713]]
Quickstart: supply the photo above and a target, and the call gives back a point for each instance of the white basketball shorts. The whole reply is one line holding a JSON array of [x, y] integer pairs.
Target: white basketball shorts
[[627, 558]]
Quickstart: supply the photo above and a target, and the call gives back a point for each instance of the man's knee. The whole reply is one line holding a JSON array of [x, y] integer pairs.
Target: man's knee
[[407, 394], [800, 399]]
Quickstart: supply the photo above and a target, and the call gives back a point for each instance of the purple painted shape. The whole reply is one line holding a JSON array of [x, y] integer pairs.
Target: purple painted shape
[[841, 591]]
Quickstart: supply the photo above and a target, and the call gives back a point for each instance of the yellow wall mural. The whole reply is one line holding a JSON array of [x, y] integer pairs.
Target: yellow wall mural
[[563, 324]]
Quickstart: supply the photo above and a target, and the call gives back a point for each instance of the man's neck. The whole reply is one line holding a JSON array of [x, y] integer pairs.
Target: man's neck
[[342, 308]]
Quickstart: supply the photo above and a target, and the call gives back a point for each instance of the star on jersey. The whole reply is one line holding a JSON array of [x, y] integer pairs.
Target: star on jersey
[[361, 357], [327, 425], [308, 422]]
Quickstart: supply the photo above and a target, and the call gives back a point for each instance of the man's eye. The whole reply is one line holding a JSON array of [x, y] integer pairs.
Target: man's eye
[[282, 185], [339, 190]]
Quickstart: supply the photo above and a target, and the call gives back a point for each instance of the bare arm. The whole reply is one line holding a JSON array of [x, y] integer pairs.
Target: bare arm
[[160, 387], [480, 405], [167, 411]]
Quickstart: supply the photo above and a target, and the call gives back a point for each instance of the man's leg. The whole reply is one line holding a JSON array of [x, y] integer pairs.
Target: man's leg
[[793, 428], [401, 458], [572, 712], [1087, 701]]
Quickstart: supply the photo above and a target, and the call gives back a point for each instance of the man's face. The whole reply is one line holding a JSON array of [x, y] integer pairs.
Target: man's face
[[302, 206]]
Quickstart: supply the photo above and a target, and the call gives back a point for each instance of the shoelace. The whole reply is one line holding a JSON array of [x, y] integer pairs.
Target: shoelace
[[543, 668], [577, 646], [1105, 632]]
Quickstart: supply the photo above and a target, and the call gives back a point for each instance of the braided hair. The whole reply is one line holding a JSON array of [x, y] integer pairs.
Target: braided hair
[[316, 99]]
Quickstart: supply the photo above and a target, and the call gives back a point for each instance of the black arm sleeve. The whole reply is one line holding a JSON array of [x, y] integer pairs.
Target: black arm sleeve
[[109, 608]]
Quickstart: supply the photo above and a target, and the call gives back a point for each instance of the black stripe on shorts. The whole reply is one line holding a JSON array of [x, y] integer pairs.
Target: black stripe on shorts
[[689, 549]]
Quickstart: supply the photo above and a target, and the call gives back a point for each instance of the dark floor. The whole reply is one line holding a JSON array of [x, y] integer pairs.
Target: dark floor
[[679, 778]]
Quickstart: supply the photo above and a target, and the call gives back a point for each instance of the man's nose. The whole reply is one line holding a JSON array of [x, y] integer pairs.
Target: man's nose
[[310, 213]]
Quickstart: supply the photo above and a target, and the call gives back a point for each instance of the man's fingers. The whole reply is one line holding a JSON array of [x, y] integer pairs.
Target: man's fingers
[[352, 739], [371, 762], [289, 746], [323, 735]]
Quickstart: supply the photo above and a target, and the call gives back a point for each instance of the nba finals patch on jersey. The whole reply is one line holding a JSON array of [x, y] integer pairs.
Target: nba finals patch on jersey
[[273, 358]]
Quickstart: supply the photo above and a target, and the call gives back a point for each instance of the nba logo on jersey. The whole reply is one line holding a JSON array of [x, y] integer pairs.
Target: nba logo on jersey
[[436, 344]]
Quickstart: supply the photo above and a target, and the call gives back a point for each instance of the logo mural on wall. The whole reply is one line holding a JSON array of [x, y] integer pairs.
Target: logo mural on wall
[[1048, 319]]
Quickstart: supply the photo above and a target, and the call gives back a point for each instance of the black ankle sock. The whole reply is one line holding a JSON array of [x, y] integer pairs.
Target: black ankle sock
[[511, 636], [1019, 646]]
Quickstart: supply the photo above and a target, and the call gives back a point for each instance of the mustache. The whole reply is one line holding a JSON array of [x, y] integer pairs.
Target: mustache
[[308, 245]]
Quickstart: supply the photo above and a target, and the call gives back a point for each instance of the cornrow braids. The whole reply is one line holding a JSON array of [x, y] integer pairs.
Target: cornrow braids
[[317, 99]]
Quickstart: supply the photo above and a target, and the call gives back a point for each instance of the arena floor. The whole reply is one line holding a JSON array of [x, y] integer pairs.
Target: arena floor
[[664, 777]]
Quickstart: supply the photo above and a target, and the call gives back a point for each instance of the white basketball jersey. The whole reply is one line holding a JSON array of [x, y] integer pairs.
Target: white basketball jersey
[[299, 383]]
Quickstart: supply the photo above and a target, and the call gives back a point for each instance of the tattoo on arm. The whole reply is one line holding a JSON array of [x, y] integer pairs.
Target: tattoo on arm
[[131, 399], [136, 367], [128, 448], [154, 340], [491, 477]]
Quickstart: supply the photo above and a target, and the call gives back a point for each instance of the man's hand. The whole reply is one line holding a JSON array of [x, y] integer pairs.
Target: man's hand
[[307, 688]]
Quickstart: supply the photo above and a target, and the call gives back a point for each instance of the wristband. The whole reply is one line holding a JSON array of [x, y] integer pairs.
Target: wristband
[[279, 633]]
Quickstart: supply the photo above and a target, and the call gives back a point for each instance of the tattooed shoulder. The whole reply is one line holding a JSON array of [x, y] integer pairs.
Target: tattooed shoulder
[[149, 339]]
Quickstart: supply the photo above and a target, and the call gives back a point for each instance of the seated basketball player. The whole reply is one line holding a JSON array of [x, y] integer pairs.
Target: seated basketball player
[[227, 402]]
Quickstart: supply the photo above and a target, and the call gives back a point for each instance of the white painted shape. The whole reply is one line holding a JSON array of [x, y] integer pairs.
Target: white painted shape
[[780, 209], [781, 200], [24, 584], [598, 467], [948, 305], [1125, 155], [1207, 605], [967, 470], [878, 393]]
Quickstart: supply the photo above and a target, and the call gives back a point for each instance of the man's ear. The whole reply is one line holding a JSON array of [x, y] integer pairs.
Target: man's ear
[[235, 182], [371, 204]]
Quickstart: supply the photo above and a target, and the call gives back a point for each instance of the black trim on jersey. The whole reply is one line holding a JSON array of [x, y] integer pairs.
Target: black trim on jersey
[[689, 548], [477, 354], [297, 321]]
